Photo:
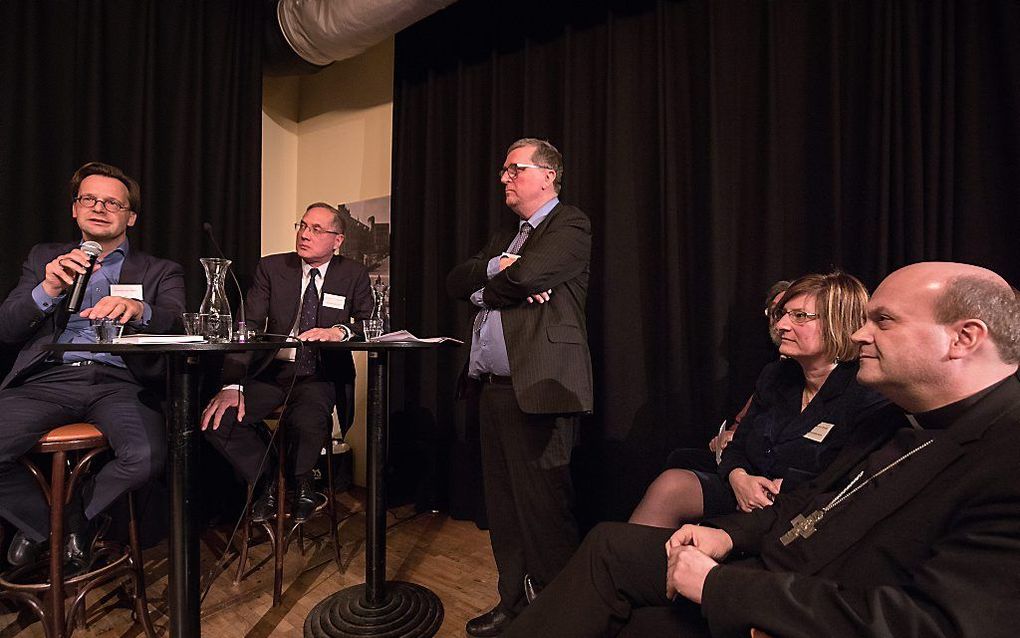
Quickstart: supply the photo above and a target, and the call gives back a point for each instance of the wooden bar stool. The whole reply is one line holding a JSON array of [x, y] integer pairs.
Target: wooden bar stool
[[47, 599], [278, 533]]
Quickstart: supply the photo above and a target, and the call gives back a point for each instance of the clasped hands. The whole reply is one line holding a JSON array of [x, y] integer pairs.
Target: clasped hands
[[505, 261], [753, 492], [691, 552], [60, 274]]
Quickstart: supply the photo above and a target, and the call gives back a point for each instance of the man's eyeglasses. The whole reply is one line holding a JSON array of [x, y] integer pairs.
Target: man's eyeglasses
[[315, 230], [109, 205], [513, 170], [798, 317]]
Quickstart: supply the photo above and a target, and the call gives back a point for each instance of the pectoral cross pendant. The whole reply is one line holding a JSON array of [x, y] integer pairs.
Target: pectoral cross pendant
[[802, 527]]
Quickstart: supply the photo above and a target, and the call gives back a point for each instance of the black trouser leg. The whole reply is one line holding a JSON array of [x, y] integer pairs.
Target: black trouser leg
[[130, 418], [28, 411], [240, 443], [309, 419], [617, 574], [528, 492]]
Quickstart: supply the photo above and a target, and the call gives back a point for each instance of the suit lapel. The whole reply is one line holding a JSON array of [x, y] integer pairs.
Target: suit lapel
[[132, 271], [537, 233], [292, 291], [832, 389]]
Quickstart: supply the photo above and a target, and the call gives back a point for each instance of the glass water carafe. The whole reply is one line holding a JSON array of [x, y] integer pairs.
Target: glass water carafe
[[218, 320]]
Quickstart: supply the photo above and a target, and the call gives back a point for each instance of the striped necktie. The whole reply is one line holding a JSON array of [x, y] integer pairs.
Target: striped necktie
[[515, 247]]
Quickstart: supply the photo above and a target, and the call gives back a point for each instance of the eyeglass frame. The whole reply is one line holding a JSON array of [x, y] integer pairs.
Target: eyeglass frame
[[798, 317], [315, 230], [103, 203], [516, 169]]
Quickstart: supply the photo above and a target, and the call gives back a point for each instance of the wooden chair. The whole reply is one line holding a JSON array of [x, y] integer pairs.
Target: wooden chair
[[47, 599], [279, 534]]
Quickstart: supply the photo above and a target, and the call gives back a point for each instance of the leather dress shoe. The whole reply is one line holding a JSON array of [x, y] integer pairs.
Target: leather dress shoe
[[23, 551], [530, 589], [264, 507], [78, 547], [491, 623], [305, 500]]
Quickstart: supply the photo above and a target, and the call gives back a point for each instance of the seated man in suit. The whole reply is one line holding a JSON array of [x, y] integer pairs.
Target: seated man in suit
[[43, 390], [913, 531], [312, 294]]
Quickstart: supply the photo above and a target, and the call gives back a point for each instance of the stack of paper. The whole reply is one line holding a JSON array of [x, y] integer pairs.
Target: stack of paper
[[144, 340], [404, 335]]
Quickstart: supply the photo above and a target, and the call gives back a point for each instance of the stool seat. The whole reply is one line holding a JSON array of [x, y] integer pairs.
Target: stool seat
[[46, 598], [73, 436]]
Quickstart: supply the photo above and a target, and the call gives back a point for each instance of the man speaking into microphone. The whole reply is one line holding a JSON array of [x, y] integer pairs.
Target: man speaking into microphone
[[44, 390]]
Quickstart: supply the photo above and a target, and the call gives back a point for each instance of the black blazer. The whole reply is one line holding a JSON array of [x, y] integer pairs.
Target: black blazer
[[21, 322], [933, 550], [547, 344], [274, 300], [770, 440]]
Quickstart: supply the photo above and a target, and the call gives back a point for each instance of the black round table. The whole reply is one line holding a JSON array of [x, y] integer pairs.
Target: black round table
[[375, 608]]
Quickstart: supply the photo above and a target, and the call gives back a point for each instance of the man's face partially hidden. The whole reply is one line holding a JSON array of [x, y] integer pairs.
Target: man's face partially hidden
[[903, 348]]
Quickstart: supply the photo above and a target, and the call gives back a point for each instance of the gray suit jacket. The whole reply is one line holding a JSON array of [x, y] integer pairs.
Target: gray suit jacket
[[22, 323]]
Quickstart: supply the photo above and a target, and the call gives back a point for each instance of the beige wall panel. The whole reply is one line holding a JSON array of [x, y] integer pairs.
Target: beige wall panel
[[328, 137]]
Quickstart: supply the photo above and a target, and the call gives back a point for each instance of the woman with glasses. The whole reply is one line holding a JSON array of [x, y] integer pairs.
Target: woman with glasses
[[803, 410]]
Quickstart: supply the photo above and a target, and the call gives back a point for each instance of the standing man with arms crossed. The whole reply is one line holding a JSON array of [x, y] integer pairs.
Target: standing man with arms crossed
[[914, 530], [44, 391], [529, 355], [313, 294]]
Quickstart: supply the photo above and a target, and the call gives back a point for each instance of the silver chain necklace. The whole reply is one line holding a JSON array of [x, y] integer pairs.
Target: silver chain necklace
[[804, 527]]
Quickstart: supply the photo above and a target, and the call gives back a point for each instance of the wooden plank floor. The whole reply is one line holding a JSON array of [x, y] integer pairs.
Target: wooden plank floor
[[450, 557]]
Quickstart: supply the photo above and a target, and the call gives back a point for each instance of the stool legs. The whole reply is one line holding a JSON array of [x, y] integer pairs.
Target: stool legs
[[278, 533], [242, 560], [334, 524], [55, 597], [279, 543], [138, 569]]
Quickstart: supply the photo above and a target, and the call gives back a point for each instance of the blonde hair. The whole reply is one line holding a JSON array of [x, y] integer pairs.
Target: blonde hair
[[840, 301]]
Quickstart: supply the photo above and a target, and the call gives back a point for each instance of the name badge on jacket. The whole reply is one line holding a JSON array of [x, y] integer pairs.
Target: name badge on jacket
[[128, 291], [334, 301], [819, 432]]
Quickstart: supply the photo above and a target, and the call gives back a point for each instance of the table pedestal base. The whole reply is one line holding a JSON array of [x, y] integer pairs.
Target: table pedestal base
[[408, 610]]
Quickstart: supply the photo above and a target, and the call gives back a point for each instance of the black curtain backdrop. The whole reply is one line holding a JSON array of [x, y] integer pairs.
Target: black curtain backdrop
[[717, 146], [169, 91]]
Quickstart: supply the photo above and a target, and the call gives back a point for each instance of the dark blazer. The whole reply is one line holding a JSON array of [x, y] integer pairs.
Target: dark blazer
[[547, 344], [21, 322], [933, 550], [770, 440], [274, 300]]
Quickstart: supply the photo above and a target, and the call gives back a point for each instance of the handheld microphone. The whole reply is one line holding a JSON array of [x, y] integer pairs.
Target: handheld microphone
[[81, 281], [240, 310]]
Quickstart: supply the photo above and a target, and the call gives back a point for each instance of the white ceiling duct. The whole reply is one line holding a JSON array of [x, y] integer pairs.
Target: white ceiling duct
[[324, 31]]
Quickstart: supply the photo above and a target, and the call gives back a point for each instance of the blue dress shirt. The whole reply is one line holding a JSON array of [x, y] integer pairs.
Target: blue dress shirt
[[78, 328], [488, 345]]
